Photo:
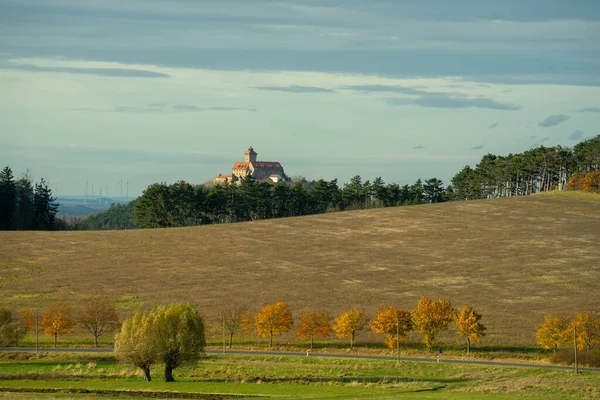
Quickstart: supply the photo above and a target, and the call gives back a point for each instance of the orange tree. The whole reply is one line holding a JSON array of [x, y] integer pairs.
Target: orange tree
[[349, 324], [469, 327], [99, 317], [273, 320], [58, 319], [432, 317], [588, 330], [314, 325], [392, 322]]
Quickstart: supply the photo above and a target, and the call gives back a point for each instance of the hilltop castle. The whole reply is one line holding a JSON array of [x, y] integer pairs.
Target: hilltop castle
[[271, 171]]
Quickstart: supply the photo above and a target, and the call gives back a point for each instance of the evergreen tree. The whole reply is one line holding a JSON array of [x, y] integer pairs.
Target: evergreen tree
[[8, 199], [25, 212], [45, 208]]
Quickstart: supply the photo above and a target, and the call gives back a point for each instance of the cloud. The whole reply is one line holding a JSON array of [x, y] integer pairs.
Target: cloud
[[576, 135], [494, 125], [478, 147], [162, 108], [431, 99], [553, 120], [296, 89], [589, 110], [418, 147], [445, 101], [110, 72]]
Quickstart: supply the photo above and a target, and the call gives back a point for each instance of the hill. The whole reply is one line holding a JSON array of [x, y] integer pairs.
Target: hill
[[513, 259]]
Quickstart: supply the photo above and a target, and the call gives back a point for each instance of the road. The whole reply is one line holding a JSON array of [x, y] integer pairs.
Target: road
[[332, 355]]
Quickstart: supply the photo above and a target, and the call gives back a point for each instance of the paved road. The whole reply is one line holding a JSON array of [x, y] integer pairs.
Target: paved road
[[335, 355]]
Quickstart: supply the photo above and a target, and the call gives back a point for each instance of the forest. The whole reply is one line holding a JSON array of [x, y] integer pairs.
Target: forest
[[537, 170]]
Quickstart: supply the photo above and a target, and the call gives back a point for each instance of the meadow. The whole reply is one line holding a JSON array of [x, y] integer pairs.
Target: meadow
[[513, 260], [88, 376]]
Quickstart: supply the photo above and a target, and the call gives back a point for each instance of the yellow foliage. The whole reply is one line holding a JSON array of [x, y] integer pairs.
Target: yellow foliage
[[273, 320], [468, 325], [431, 317], [349, 324], [58, 319], [553, 332], [591, 181], [588, 330], [391, 321], [314, 325]]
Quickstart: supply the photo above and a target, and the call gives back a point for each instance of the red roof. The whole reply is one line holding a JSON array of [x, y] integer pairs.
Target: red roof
[[241, 165], [274, 176]]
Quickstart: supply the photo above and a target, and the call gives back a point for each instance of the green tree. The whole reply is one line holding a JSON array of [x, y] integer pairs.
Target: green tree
[[45, 208], [433, 191], [25, 213], [12, 329], [135, 344], [8, 198]]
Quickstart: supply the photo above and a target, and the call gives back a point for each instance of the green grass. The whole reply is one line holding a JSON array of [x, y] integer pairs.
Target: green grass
[[80, 375]]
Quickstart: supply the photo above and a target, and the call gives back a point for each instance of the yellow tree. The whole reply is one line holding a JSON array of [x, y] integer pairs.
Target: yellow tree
[[314, 325], [349, 324], [591, 181], [58, 319], [553, 332], [99, 317], [135, 343], [469, 327], [588, 330], [273, 320], [392, 322], [432, 317]]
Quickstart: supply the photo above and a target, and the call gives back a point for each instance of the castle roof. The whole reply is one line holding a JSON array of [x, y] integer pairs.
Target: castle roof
[[250, 151], [267, 165], [241, 165]]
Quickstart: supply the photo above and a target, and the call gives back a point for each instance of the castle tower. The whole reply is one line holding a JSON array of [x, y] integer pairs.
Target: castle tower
[[250, 155]]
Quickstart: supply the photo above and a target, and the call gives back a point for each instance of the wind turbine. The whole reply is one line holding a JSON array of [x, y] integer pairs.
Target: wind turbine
[[127, 190], [120, 183]]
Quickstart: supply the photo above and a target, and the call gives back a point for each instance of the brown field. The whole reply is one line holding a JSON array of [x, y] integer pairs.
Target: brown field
[[513, 260]]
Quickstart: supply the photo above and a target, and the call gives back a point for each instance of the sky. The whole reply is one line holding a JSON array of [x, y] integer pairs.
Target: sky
[[159, 91]]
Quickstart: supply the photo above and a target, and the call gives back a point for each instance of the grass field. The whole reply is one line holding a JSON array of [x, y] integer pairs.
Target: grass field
[[513, 260], [96, 377]]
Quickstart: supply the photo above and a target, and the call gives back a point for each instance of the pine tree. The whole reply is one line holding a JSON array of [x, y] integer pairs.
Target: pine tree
[[45, 207], [8, 198]]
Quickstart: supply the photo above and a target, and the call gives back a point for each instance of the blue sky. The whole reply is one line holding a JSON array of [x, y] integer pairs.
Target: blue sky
[[166, 90]]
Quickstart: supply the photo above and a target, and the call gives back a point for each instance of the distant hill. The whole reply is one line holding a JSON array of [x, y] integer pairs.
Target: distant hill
[[512, 259]]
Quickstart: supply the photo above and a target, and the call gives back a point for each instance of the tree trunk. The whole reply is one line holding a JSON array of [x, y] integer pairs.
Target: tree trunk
[[169, 373], [271, 340], [230, 340], [146, 372], [55, 336], [96, 340], [468, 345], [311, 342]]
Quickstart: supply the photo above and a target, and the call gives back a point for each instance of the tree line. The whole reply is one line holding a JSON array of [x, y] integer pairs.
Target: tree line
[[25, 205], [534, 171], [581, 328]]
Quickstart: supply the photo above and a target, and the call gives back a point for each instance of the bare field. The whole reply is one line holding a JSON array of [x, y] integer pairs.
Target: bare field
[[512, 259]]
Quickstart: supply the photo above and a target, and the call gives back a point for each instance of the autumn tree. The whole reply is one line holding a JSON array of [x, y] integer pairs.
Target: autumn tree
[[469, 327], [314, 325], [588, 330], [134, 344], [58, 320], [236, 319], [392, 322], [350, 324], [99, 317], [590, 182], [273, 320], [553, 332], [432, 317]]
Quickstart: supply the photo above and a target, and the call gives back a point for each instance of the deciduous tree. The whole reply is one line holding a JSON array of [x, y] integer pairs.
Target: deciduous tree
[[432, 317], [553, 332], [273, 320], [350, 324], [178, 336], [12, 328], [236, 319], [99, 317], [58, 320], [588, 330], [314, 325], [392, 322], [469, 327], [135, 344]]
